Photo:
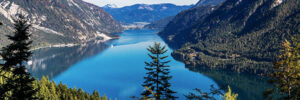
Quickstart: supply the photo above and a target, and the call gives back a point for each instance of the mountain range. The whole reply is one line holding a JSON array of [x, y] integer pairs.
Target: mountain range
[[144, 12], [238, 35], [58, 21], [162, 23]]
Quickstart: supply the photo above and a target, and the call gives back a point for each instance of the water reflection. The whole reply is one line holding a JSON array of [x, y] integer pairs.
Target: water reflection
[[248, 87], [53, 61]]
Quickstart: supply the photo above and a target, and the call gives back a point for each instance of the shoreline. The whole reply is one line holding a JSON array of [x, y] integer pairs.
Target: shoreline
[[72, 44], [104, 36]]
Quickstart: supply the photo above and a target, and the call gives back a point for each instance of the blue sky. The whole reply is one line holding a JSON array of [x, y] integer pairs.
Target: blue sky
[[121, 3]]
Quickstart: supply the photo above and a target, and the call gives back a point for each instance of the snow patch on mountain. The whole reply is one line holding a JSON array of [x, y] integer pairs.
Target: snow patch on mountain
[[110, 6]]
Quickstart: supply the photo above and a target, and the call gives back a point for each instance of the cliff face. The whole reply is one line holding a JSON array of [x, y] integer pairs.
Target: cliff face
[[241, 35], [58, 21]]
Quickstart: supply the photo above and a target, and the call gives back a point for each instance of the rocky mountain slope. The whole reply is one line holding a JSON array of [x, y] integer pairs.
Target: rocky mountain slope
[[144, 12], [208, 2], [58, 21], [240, 35]]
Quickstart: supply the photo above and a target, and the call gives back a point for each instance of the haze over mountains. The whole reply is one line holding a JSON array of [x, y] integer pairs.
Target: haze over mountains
[[143, 12], [58, 21], [239, 35]]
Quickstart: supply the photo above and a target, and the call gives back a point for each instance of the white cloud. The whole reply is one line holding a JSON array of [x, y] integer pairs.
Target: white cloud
[[122, 3]]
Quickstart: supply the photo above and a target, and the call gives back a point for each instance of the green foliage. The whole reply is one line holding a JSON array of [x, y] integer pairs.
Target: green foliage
[[242, 36], [48, 90], [19, 85], [157, 79], [286, 77]]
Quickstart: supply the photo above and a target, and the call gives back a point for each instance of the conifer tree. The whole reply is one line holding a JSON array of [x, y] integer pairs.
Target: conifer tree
[[157, 77], [286, 76], [15, 55]]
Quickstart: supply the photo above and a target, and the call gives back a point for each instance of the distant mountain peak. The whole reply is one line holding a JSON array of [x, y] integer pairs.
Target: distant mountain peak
[[110, 6]]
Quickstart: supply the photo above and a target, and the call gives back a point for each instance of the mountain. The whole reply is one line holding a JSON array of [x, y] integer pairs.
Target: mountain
[[184, 20], [144, 13], [208, 2], [110, 6], [58, 21], [239, 35], [160, 24]]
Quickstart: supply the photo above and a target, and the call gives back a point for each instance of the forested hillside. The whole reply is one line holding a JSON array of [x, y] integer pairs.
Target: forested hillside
[[240, 35], [201, 8], [58, 21], [160, 24]]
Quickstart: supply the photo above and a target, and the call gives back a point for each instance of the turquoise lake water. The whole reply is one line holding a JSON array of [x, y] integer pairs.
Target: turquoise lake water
[[116, 68]]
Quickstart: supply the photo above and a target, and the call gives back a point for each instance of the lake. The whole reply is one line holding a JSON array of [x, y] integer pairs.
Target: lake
[[116, 68]]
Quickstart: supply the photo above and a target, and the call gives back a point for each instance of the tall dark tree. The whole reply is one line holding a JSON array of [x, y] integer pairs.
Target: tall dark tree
[[157, 79], [15, 56]]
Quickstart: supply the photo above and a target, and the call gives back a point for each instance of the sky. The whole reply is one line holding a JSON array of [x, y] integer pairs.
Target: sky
[[122, 3]]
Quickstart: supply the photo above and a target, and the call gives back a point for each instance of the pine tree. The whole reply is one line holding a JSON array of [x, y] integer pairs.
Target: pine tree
[[286, 76], [15, 55], [157, 77]]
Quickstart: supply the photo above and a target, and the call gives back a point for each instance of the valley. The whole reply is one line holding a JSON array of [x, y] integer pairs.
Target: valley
[[209, 49]]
